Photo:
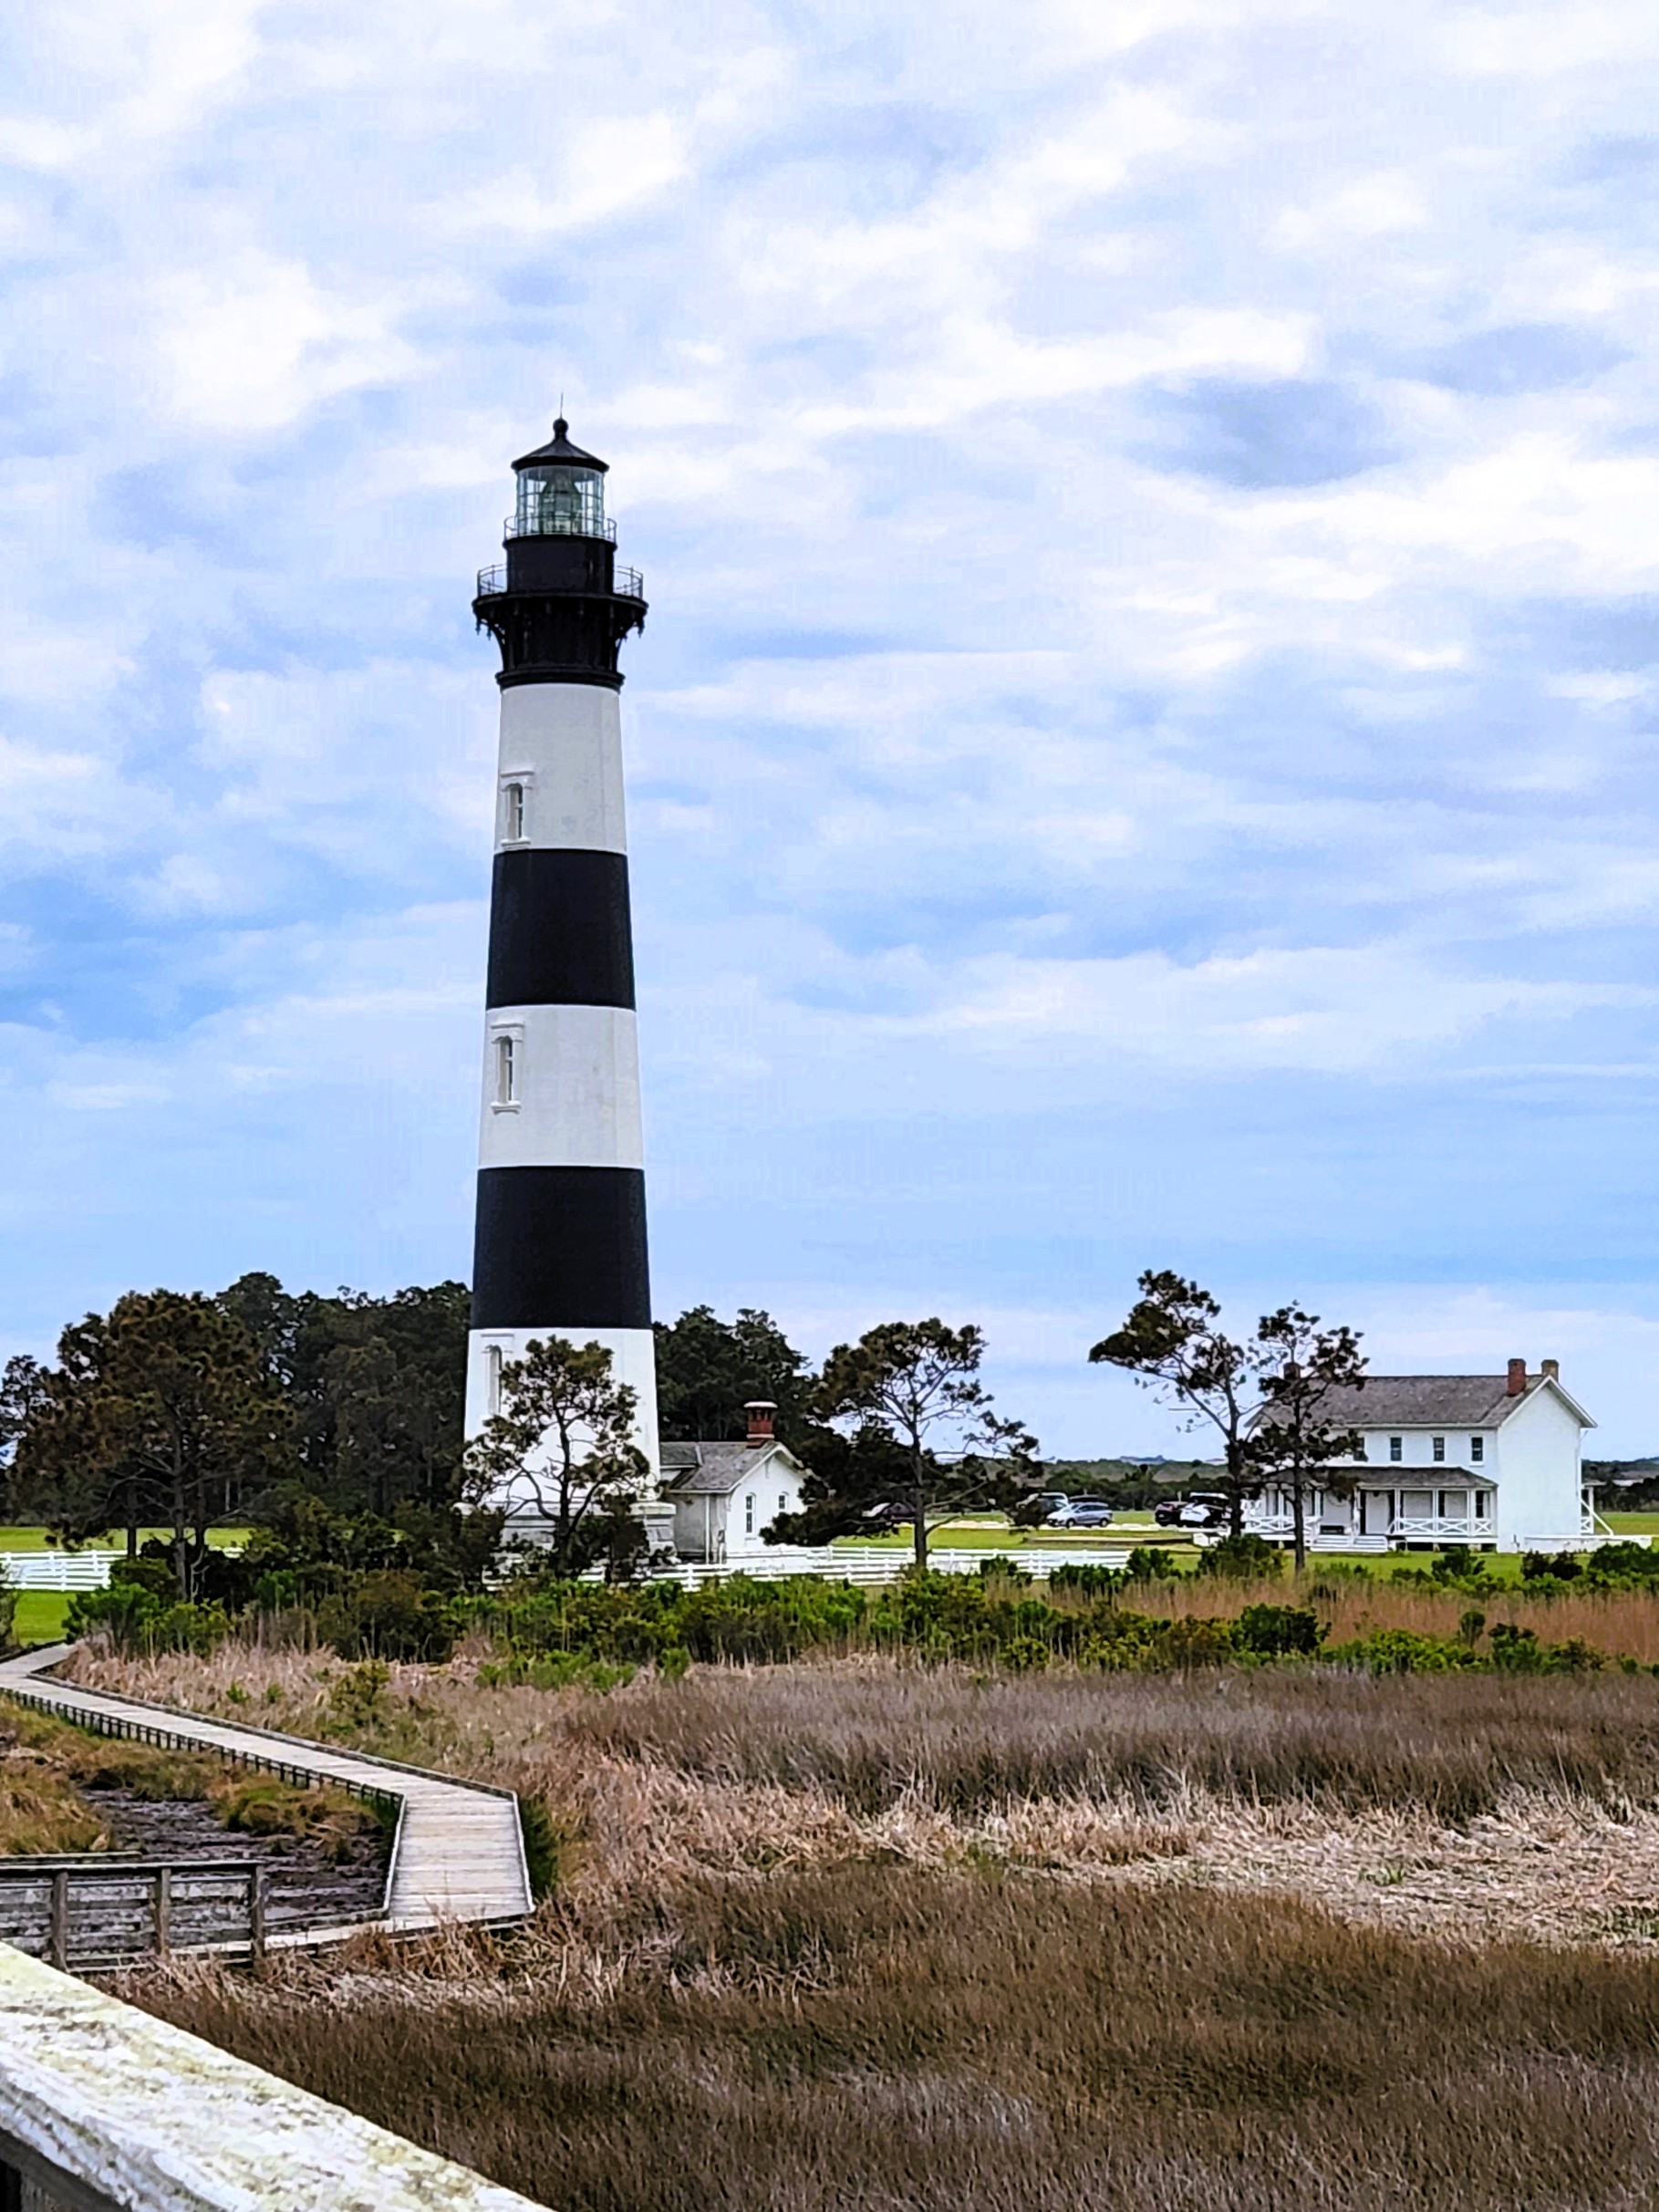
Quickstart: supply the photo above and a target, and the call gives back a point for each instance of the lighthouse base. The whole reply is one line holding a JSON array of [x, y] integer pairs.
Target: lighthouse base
[[633, 1361]]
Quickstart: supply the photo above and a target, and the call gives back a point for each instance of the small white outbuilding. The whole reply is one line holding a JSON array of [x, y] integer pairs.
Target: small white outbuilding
[[724, 1494]]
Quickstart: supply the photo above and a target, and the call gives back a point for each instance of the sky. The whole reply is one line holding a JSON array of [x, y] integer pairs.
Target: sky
[[1141, 753]]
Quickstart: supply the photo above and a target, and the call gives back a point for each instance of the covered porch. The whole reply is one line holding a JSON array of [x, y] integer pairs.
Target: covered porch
[[1459, 1508]]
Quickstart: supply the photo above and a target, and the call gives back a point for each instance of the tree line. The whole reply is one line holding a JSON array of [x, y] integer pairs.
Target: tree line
[[306, 1412]]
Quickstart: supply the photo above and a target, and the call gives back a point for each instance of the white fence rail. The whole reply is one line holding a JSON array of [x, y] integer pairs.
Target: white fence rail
[[875, 1564], [87, 1570]]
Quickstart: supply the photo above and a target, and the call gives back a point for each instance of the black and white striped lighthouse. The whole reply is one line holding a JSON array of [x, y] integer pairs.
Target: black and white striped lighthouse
[[560, 1247]]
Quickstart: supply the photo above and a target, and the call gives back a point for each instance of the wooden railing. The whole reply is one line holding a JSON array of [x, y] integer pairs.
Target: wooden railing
[[97, 1910], [103, 2109]]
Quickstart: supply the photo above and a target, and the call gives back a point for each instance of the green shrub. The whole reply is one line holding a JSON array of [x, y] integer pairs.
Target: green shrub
[[1276, 1632], [1092, 1580], [1149, 1562], [1243, 1558], [1402, 1651]]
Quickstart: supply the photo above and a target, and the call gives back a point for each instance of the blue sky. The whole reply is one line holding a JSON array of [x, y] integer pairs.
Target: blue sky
[[1142, 750]]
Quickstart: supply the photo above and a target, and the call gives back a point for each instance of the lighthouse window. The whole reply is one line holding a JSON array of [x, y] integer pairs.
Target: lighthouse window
[[561, 502], [513, 811], [493, 1378], [506, 1071]]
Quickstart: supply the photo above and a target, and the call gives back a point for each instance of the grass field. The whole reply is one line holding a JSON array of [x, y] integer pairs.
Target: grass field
[[40, 1615], [18, 1538], [866, 1935]]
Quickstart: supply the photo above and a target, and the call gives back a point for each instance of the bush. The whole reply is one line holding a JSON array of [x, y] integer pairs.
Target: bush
[[1275, 1632], [1243, 1558], [1092, 1580], [1149, 1562]]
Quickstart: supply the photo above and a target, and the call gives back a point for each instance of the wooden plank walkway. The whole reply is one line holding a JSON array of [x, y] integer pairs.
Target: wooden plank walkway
[[460, 1853]]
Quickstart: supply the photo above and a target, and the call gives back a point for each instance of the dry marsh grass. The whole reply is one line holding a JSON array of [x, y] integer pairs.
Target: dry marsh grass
[[882, 2038], [1623, 1623], [862, 1935]]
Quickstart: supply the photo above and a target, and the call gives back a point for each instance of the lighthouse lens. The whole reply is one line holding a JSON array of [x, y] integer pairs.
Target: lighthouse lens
[[561, 502]]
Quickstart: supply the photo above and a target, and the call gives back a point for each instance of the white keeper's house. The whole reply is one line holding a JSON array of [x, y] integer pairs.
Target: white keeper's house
[[724, 1494], [1495, 1460]]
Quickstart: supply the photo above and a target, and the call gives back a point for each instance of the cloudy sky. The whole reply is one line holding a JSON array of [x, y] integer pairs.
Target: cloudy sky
[[1141, 751]]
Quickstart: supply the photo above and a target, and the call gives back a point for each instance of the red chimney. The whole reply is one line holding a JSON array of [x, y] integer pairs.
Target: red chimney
[[761, 1411], [1518, 1377]]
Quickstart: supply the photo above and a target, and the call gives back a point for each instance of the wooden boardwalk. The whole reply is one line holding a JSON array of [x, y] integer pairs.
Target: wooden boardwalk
[[459, 1853]]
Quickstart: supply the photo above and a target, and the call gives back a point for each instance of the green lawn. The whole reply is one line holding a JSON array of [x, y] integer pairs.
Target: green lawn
[[40, 1615], [36, 1540], [1633, 1524]]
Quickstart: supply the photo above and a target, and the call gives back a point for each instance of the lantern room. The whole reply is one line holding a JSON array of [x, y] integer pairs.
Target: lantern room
[[561, 492]]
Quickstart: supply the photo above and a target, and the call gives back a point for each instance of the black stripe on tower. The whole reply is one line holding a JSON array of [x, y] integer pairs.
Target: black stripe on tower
[[561, 1248], [560, 933]]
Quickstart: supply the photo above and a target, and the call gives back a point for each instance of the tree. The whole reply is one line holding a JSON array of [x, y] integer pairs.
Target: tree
[[1173, 1345], [708, 1370], [563, 1442], [160, 1411], [1294, 1437], [911, 1428], [377, 1387]]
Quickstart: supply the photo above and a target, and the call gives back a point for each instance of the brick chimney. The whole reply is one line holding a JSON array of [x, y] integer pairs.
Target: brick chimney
[[761, 1411], [1518, 1377], [1551, 1368]]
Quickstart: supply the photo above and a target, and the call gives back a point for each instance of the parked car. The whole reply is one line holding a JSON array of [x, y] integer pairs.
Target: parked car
[[1199, 1510], [1081, 1513]]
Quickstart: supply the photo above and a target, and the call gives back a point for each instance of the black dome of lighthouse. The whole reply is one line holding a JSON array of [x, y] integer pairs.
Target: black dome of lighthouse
[[559, 452]]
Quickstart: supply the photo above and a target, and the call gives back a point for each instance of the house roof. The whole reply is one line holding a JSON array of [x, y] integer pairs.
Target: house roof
[[1436, 1401], [715, 1470], [1391, 1475]]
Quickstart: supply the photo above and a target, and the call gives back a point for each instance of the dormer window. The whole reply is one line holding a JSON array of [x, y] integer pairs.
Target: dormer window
[[512, 813]]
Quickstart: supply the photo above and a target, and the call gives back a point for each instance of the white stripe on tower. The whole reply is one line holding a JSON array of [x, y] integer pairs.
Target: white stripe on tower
[[561, 1245]]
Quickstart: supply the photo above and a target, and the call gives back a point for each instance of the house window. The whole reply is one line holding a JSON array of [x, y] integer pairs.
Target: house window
[[506, 1071], [1483, 1505], [492, 1365], [1396, 1448], [1477, 1450], [748, 1513], [512, 813], [782, 1503], [1438, 1446]]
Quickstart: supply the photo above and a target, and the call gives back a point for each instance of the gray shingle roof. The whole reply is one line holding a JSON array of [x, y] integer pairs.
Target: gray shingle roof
[[715, 1470], [1424, 1401]]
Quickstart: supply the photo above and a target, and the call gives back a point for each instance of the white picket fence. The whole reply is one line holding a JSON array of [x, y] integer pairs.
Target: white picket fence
[[873, 1563], [87, 1570]]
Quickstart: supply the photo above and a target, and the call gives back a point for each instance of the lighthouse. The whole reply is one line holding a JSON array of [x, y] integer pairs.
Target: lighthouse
[[560, 1245]]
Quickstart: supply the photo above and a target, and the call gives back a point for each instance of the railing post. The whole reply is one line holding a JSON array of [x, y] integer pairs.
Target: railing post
[[257, 1909], [60, 1919], [163, 1910]]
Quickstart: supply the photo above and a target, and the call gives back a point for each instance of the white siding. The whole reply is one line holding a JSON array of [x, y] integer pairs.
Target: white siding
[[1540, 1474]]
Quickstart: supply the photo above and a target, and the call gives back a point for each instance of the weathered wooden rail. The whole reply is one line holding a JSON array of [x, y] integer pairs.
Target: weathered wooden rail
[[103, 2109], [458, 1852], [95, 1910]]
